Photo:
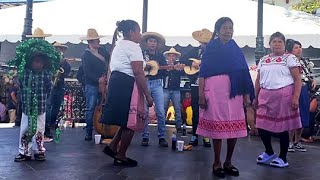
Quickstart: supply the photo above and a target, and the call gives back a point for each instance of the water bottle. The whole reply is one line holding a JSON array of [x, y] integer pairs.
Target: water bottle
[[57, 138], [184, 130], [174, 141]]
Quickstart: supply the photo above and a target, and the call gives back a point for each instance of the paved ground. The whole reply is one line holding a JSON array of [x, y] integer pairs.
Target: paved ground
[[74, 158]]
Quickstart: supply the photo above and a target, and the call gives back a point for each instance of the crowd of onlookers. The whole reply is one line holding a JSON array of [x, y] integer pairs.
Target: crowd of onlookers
[[8, 110]]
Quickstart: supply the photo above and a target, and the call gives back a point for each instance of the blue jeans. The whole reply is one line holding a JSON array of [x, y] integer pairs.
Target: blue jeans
[[174, 96], [156, 90], [92, 99], [53, 105]]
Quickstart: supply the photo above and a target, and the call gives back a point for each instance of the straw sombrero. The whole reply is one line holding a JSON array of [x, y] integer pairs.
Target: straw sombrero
[[202, 36], [56, 44], [38, 33], [145, 36], [92, 34], [172, 51]]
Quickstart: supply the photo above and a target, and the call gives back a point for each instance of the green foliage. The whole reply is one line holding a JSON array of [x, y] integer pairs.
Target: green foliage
[[308, 6], [28, 48]]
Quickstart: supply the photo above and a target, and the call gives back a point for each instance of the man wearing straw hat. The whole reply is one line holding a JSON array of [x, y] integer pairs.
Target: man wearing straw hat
[[171, 85], [151, 43], [57, 93], [203, 37], [94, 64]]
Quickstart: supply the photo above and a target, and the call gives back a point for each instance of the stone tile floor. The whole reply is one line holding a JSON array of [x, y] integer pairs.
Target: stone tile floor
[[73, 158]]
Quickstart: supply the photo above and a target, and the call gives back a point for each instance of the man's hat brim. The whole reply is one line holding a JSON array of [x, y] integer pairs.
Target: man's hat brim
[[160, 38]]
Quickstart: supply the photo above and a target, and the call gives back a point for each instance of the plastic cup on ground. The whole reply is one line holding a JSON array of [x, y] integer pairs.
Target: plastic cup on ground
[[97, 138], [180, 145]]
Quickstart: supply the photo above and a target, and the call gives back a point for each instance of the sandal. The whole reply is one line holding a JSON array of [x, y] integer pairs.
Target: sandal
[[219, 172], [278, 162], [231, 170], [108, 151], [127, 163], [264, 158]]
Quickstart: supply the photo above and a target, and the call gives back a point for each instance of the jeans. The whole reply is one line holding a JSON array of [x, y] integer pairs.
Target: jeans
[[54, 103], [156, 90], [175, 97], [92, 99]]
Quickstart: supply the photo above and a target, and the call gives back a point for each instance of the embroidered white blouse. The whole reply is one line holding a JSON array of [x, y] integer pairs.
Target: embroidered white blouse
[[275, 70]]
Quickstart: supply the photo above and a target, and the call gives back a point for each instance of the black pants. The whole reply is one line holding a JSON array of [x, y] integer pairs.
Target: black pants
[[195, 108], [284, 143]]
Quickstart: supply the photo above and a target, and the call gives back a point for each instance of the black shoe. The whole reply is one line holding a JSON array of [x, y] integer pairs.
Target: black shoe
[[108, 151], [21, 158], [163, 142], [232, 171], [193, 141], [219, 173], [206, 142], [40, 157], [88, 137], [179, 130], [128, 163], [145, 142]]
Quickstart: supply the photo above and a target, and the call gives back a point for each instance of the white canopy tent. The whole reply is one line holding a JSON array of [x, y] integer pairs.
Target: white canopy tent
[[68, 20]]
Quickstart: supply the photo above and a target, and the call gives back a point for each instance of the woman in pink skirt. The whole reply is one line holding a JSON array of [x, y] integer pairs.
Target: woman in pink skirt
[[277, 89], [224, 87]]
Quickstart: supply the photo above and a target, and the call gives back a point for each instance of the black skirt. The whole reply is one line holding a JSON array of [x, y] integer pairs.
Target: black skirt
[[116, 109]]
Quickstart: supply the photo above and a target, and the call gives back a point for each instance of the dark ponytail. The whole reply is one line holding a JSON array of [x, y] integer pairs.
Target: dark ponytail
[[125, 26]]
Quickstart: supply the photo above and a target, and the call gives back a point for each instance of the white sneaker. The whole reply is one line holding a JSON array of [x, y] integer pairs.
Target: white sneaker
[[291, 148]]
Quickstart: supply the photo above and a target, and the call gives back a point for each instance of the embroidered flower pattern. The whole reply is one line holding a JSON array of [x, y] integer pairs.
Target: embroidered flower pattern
[[279, 59]]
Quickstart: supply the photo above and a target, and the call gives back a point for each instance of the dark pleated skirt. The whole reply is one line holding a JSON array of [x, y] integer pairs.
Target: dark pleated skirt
[[116, 109]]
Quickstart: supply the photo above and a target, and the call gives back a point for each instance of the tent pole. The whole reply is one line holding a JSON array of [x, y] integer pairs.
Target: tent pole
[[260, 51], [145, 16], [27, 29]]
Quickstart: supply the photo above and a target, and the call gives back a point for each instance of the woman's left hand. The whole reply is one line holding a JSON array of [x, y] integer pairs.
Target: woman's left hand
[[295, 104]]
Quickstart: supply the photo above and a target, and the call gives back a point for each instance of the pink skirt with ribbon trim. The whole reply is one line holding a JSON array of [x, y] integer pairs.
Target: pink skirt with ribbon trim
[[274, 111], [224, 117]]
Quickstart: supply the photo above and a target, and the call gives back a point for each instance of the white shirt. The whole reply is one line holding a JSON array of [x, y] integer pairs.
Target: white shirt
[[275, 71], [123, 54]]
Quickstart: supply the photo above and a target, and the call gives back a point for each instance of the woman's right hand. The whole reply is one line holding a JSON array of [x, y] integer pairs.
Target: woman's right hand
[[202, 102], [149, 101]]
